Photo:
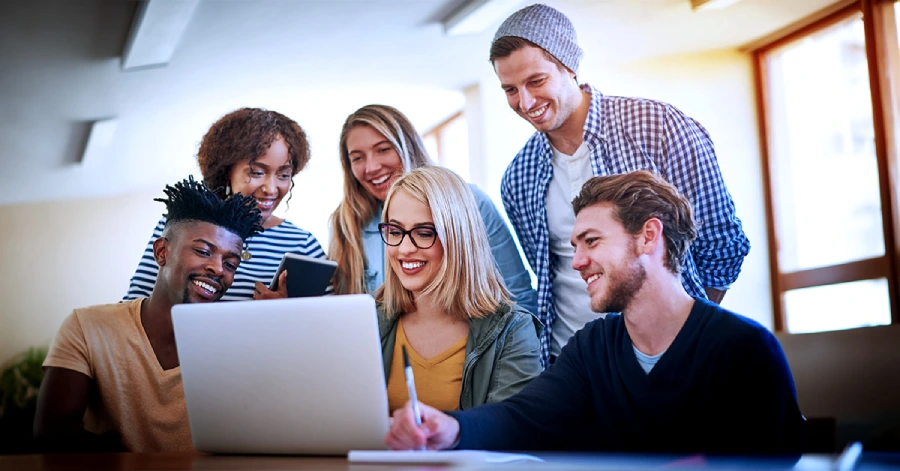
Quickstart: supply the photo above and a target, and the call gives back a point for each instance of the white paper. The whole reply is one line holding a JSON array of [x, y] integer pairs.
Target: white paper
[[437, 457]]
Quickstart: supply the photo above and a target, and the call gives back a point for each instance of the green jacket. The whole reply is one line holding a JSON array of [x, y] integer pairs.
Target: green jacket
[[503, 354]]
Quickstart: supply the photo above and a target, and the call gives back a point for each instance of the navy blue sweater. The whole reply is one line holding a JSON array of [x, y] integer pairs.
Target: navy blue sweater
[[723, 386]]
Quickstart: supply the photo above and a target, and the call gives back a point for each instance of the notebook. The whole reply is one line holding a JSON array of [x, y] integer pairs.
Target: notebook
[[284, 376], [437, 457]]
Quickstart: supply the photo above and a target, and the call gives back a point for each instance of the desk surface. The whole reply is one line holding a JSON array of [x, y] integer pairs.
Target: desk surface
[[172, 461], [198, 461]]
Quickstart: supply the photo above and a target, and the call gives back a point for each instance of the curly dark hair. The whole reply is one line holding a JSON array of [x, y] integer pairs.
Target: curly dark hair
[[248, 133], [190, 200]]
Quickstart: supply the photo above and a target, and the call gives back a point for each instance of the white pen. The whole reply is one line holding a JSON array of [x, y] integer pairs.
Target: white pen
[[848, 459], [411, 387]]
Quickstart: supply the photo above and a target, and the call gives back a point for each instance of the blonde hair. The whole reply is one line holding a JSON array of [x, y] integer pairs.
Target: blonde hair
[[358, 206], [468, 283]]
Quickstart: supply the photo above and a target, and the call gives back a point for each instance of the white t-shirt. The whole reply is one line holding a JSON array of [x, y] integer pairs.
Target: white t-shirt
[[573, 305]]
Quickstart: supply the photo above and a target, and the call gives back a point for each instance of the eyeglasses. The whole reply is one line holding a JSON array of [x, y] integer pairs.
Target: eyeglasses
[[422, 237]]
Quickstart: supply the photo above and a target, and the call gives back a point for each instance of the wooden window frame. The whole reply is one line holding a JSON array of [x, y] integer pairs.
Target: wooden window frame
[[883, 59], [438, 132]]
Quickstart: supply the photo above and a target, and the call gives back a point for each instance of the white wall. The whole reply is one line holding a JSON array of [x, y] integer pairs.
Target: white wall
[[59, 256], [715, 88]]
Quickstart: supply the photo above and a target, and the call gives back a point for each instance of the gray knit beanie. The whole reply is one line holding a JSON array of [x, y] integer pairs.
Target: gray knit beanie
[[546, 27]]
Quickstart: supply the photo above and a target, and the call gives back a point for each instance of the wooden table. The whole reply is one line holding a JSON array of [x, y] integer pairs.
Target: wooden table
[[554, 462], [179, 461]]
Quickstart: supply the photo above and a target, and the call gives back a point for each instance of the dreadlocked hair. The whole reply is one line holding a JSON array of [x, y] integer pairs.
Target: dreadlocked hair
[[190, 200]]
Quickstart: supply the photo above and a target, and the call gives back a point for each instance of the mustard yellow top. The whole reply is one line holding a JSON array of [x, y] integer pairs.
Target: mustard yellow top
[[438, 379]]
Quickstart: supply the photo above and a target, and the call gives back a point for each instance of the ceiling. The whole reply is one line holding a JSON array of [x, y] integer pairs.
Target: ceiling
[[315, 60]]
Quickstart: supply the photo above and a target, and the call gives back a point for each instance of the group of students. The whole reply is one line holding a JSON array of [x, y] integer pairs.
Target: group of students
[[621, 195]]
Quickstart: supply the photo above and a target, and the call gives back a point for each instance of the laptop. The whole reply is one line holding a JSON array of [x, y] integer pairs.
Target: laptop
[[286, 376]]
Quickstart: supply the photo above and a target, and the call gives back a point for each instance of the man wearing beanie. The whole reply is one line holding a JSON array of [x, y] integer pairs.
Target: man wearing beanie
[[582, 133]]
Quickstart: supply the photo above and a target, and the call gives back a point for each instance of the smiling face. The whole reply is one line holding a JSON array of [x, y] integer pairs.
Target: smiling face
[[197, 261], [416, 268], [537, 89], [266, 178], [607, 258], [374, 161]]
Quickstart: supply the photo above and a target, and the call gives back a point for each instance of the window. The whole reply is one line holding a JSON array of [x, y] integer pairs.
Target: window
[[448, 144], [827, 131]]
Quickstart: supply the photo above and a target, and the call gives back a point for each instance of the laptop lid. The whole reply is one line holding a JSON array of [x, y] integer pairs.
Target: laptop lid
[[287, 376]]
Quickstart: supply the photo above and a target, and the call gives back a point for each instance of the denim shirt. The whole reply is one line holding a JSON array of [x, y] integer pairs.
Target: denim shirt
[[506, 255], [373, 247]]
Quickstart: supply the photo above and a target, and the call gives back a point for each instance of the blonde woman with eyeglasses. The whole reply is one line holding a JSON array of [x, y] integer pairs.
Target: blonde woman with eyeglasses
[[444, 300]]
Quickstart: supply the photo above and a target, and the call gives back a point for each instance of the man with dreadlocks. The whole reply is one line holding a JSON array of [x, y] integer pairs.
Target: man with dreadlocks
[[112, 378]]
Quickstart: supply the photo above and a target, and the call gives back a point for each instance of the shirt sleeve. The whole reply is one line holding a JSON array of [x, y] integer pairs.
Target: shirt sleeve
[[519, 361], [312, 247], [144, 278], [760, 411], [549, 413], [721, 244], [510, 205], [506, 254], [69, 348]]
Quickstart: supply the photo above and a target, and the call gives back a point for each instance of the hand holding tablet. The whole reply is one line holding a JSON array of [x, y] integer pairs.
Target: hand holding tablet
[[307, 276]]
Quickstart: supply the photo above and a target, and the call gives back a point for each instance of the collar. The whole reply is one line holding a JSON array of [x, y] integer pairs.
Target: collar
[[372, 226], [481, 329], [593, 124]]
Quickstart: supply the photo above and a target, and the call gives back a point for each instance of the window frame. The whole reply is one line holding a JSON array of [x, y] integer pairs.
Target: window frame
[[883, 59], [438, 132]]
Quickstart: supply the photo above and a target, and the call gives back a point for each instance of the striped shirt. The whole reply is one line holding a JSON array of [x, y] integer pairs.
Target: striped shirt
[[625, 135], [267, 249]]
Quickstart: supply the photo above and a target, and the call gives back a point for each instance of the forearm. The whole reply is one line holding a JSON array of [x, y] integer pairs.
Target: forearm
[[546, 414], [721, 244], [498, 426]]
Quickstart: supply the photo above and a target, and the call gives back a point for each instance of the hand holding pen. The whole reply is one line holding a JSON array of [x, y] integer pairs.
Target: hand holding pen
[[416, 425], [411, 387]]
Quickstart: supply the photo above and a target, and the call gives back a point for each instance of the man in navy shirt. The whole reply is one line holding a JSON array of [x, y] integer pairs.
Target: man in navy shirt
[[671, 374]]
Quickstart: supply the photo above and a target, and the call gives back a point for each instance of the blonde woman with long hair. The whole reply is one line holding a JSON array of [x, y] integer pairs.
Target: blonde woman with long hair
[[445, 301], [378, 145]]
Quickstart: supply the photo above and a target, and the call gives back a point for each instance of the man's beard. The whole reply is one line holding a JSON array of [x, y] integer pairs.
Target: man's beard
[[623, 284]]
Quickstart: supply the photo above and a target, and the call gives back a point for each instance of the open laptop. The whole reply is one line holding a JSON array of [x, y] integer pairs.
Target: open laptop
[[287, 376]]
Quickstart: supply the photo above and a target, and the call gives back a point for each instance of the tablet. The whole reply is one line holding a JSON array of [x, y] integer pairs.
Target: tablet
[[307, 276]]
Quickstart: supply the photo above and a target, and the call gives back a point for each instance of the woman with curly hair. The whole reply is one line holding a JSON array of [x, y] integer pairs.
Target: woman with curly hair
[[254, 152]]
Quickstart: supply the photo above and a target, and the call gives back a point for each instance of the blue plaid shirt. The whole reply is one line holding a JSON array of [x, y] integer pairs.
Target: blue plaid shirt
[[625, 135]]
